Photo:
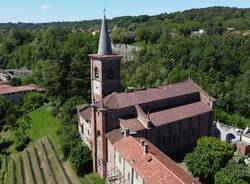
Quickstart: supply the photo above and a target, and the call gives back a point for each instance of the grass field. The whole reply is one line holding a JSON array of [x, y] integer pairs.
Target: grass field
[[43, 124]]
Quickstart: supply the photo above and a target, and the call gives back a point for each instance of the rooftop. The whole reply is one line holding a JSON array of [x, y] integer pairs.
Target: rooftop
[[85, 112], [132, 124], [179, 113], [6, 89], [114, 135], [126, 99], [154, 167], [167, 116]]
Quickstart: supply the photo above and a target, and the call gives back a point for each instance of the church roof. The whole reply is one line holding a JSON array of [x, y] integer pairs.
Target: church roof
[[132, 124], [104, 42], [154, 167], [167, 116], [127, 99]]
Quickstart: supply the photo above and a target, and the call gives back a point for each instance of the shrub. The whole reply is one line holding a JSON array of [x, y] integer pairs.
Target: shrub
[[32, 101], [21, 142], [233, 173], [80, 158]]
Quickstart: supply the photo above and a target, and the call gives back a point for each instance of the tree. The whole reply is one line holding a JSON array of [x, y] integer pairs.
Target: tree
[[3, 107], [20, 133], [233, 173], [68, 136], [80, 158], [208, 157], [33, 101], [15, 82]]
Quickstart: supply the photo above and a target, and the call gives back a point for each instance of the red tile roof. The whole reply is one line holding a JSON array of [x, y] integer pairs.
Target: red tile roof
[[133, 124], [126, 99], [114, 135], [179, 113], [6, 89], [85, 111], [154, 167]]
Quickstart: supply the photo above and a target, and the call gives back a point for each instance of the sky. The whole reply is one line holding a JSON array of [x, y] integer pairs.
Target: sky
[[75, 10]]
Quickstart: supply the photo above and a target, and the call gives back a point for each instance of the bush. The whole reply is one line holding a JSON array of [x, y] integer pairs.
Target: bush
[[21, 142], [69, 136], [32, 101], [80, 158], [4, 145], [15, 82], [233, 173]]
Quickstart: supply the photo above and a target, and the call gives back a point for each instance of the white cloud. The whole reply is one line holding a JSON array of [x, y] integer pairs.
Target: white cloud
[[45, 7]]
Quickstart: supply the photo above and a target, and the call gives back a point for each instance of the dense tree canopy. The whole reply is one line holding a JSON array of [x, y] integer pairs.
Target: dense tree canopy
[[208, 157], [233, 173]]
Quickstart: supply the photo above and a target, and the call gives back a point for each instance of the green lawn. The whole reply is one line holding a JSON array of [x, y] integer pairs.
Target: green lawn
[[43, 124]]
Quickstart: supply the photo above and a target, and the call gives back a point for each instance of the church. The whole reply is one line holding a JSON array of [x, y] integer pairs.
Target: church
[[135, 136]]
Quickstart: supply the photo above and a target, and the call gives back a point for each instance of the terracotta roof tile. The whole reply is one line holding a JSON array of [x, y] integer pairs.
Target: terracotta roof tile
[[179, 113], [85, 112], [114, 135], [133, 124], [154, 167], [126, 99], [6, 89]]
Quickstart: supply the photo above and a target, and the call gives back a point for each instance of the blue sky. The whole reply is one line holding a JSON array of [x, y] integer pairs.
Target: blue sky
[[74, 10]]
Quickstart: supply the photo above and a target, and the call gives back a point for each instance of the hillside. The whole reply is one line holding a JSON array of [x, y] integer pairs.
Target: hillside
[[39, 163]]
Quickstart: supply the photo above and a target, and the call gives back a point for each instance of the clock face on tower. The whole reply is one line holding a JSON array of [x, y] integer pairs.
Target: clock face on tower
[[97, 87]]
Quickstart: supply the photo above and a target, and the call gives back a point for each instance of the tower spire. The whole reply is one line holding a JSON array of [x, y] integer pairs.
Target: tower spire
[[104, 42]]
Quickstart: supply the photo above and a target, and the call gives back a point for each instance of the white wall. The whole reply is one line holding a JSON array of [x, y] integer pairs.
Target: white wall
[[115, 160], [86, 134]]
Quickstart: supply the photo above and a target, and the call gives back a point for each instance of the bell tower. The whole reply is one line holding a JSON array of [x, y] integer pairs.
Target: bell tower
[[105, 79], [105, 67]]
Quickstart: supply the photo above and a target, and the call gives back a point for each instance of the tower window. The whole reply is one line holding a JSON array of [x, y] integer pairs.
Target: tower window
[[110, 73], [96, 73]]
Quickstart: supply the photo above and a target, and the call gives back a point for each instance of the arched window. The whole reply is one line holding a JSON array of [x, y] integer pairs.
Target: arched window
[[96, 70], [110, 73]]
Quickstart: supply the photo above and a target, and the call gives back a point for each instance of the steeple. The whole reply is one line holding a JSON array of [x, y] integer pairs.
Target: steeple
[[104, 42]]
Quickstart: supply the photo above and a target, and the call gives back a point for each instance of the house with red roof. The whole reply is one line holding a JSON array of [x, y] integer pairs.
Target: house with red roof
[[17, 93]]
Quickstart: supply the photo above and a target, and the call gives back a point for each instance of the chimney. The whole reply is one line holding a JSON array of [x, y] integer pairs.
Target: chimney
[[145, 149], [149, 123], [126, 132], [142, 142]]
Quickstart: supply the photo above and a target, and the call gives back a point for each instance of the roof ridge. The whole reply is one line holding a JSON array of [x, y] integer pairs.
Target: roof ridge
[[110, 97], [166, 157], [115, 100]]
